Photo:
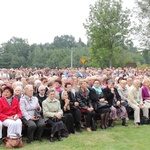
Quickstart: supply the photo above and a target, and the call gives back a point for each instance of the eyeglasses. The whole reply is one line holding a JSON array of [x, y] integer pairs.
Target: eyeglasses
[[51, 94]]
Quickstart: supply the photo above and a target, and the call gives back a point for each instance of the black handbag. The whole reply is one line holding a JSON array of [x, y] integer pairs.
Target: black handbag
[[100, 105], [144, 120], [54, 119]]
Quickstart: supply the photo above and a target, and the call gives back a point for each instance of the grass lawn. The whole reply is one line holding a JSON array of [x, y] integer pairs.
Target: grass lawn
[[117, 138]]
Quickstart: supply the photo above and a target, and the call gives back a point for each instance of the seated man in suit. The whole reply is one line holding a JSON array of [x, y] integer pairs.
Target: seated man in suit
[[136, 102]]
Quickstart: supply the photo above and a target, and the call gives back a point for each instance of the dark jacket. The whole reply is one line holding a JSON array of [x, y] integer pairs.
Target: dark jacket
[[95, 96], [41, 99], [72, 99], [84, 101], [110, 96]]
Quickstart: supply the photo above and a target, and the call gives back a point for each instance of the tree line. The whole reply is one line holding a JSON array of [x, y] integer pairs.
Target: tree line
[[109, 28]]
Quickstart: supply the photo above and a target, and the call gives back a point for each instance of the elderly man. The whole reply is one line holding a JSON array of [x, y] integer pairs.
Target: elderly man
[[123, 92], [31, 114], [136, 102]]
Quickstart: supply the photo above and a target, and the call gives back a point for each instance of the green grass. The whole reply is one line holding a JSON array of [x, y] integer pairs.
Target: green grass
[[117, 138]]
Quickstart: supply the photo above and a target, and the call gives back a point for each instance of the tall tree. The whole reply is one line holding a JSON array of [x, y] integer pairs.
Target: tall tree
[[107, 28], [15, 47], [144, 22], [143, 13], [64, 41]]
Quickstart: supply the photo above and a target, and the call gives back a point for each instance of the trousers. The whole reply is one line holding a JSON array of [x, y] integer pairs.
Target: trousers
[[0, 129], [34, 128], [136, 109], [13, 126]]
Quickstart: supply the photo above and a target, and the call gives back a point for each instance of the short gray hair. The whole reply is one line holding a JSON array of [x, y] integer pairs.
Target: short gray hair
[[110, 81]]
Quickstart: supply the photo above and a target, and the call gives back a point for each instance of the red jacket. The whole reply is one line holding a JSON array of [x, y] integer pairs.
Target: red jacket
[[6, 110]]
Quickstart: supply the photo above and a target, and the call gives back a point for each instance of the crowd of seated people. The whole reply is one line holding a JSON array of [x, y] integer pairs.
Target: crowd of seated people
[[63, 98]]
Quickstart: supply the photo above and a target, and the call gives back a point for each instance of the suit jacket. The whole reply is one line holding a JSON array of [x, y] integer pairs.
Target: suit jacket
[[145, 93], [84, 101], [133, 95]]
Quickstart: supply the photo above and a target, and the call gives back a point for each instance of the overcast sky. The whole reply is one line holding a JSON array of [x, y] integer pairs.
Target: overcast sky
[[40, 21]]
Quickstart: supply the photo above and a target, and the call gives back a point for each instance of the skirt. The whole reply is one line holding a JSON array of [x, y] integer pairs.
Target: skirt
[[118, 113], [57, 126]]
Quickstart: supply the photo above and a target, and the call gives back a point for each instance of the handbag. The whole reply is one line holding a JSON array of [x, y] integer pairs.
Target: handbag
[[13, 141], [144, 120], [54, 119], [102, 105]]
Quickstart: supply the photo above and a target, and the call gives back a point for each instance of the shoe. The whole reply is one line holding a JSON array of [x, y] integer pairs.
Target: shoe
[[111, 123], [102, 127], [51, 140], [28, 141], [137, 124], [38, 139], [78, 130], [106, 126], [88, 129], [59, 138], [82, 126], [124, 124]]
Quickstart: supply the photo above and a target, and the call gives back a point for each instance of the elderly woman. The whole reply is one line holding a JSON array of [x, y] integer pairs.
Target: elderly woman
[[85, 104], [97, 96], [74, 107], [10, 113], [31, 115], [18, 91], [117, 111], [146, 91], [41, 94], [123, 92], [65, 106], [37, 83], [53, 113]]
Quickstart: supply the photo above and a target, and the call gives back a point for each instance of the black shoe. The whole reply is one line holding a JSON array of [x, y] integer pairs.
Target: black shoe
[[124, 124], [82, 126], [78, 130], [59, 138], [28, 141], [102, 127], [38, 139], [111, 125], [51, 140]]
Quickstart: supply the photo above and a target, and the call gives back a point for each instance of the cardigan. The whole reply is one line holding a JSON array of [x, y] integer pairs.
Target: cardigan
[[28, 107], [7, 110], [145, 93]]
